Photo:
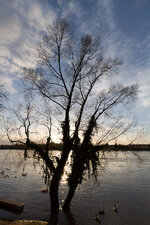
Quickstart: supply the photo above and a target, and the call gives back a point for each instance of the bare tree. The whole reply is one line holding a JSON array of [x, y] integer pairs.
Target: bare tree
[[68, 74]]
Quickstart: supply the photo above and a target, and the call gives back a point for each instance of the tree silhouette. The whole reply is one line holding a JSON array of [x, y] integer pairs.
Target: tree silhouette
[[68, 75]]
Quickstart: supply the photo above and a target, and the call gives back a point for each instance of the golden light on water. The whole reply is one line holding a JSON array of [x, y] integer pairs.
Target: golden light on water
[[67, 170]]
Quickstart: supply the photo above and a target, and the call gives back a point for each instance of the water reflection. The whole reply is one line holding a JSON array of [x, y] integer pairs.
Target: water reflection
[[70, 218], [53, 220], [124, 181]]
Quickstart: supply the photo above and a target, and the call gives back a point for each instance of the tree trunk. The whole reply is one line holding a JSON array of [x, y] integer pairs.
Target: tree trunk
[[68, 200], [75, 177], [56, 181], [54, 195]]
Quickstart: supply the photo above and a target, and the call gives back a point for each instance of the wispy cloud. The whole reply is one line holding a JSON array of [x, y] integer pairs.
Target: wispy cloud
[[21, 23], [72, 8]]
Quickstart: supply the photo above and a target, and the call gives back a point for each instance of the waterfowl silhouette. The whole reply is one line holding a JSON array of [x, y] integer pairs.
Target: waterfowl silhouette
[[24, 174], [97, 218], [115, 208], [44, 190]]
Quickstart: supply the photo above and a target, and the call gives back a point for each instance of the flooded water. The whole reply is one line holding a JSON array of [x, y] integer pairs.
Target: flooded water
[[124, 181]]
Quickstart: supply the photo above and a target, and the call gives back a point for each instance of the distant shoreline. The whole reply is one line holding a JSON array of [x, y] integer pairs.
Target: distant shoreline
[[56, 146], [52, 146]]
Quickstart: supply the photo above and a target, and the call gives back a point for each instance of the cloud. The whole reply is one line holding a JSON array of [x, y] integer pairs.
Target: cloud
[[9, 32], [21, 23], [7, 81], [135, 54], [106, 10], [71, 9], [143, 77], [60, 2]]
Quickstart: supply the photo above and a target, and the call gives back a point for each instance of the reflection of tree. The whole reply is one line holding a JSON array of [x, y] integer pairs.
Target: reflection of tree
[[70, 217], [66, 76], [53, 220]]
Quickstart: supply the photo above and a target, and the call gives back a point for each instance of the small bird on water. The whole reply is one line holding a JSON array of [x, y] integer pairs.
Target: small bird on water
[[24, 174], [44, 190], [115, 208], [97, 218]]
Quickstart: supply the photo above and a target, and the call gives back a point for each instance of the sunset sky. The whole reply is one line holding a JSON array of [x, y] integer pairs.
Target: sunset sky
[[123, 25]]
